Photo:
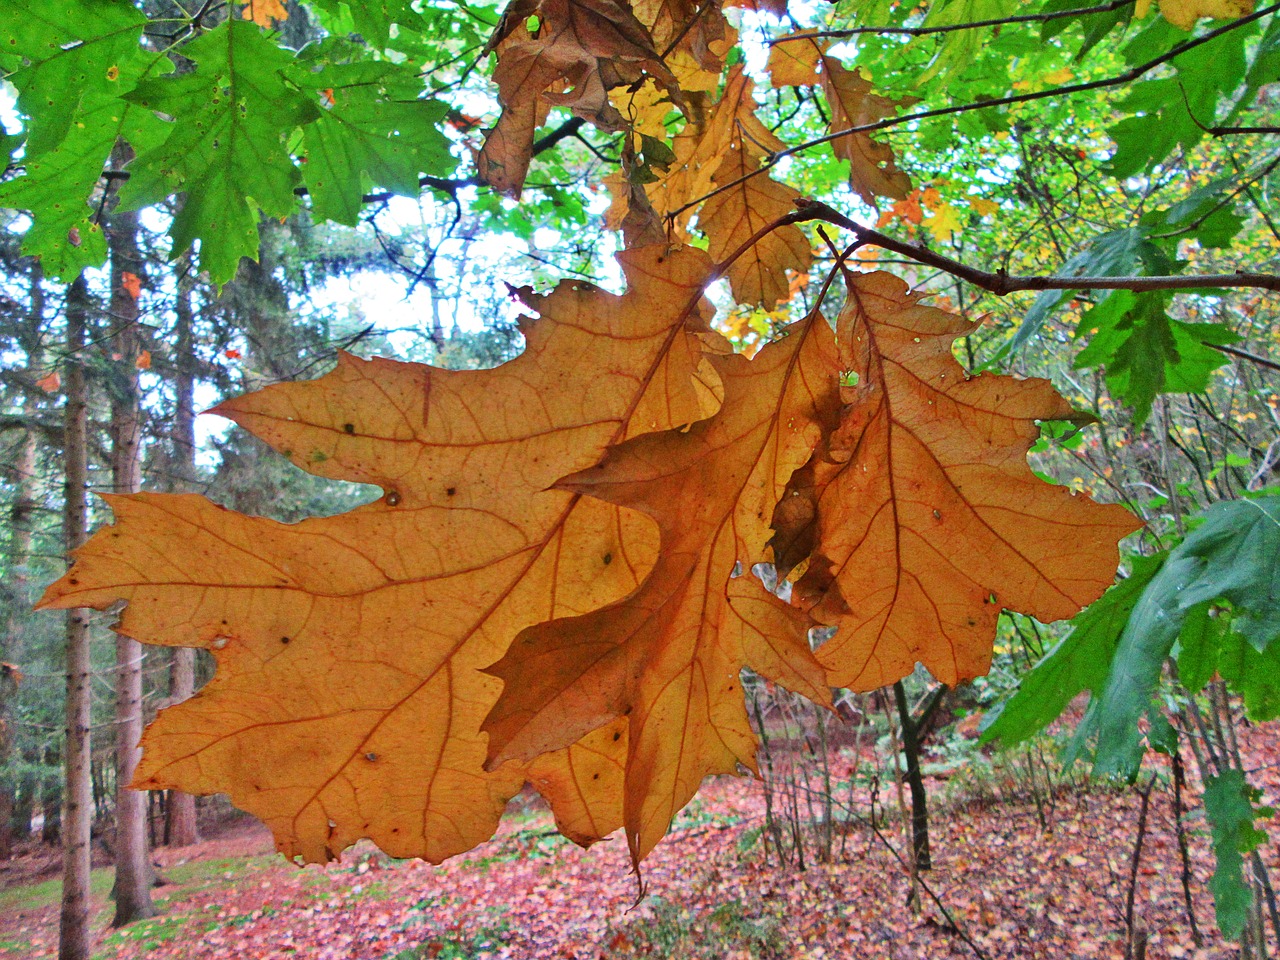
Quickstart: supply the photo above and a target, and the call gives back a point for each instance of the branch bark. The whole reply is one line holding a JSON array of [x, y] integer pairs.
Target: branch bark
[[1002, 284]]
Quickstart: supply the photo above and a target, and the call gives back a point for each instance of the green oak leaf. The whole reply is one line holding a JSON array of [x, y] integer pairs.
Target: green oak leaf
[[1228, 806], [61, 52], [1079, 661], [1110, 254], [1095, 26], [1233, 556], [371, 131], [1146, 352], [959, 48], [372, 19], [1206, 214], [1174, 111], [228, 153], [71, 63]]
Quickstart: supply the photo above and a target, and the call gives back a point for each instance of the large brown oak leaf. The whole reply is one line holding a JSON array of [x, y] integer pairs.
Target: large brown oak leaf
[[349, 697]]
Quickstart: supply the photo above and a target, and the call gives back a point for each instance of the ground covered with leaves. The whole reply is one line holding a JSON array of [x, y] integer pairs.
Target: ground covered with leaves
[[1010, 886]]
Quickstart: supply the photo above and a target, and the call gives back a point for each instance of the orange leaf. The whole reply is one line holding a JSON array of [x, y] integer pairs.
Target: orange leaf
[[131, 283], [349, 648], [668, 657], [923, 518], [143, 360], [50, 382], [263, 12]]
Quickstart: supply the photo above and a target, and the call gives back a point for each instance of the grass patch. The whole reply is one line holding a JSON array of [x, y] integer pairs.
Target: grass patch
[[671, 930], [49, 893], [152, 934]]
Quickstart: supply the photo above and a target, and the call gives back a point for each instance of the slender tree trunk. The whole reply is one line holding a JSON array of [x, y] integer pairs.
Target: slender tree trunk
[[16, 805], [73, 936], [919, 798], [181, 826], [134, 874]]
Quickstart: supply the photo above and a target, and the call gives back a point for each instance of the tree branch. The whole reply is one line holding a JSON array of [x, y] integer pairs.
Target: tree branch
[[1001, 283], [952, 27], [1127, 77]]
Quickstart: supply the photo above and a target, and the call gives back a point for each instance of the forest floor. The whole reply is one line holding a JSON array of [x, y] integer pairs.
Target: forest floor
[[1010, 887]]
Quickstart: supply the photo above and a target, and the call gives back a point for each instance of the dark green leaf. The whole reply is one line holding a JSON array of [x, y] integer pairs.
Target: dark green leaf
[[371, 131], [1110, 255], [228, 152], [1233, 555], [1079, 661], [1147, 352], [1228, 806]]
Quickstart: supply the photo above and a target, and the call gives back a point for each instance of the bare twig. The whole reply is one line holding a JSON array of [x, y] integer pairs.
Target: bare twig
[[1245, 355], [1135, 943], [1001, 283], [952, 27], [1179, 780], [1127, 77]]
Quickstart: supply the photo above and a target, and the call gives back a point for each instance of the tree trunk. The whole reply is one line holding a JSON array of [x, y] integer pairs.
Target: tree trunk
[[73, 935], [919, 799], [16, 800], [134, 874], [181, 826]]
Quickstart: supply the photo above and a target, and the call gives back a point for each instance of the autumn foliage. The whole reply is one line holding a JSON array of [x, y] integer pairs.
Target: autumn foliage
[[557, 585]]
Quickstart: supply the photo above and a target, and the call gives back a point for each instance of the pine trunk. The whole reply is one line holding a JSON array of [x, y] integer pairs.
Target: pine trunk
[[134, 873], [73, 936], [181, 826], [15, 806]]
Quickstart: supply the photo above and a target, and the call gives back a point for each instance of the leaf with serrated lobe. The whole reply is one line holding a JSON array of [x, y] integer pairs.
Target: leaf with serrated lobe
[[923, 519], [349, 697]]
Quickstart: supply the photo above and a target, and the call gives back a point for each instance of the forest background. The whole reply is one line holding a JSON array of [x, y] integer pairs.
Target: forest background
[[205, 201]]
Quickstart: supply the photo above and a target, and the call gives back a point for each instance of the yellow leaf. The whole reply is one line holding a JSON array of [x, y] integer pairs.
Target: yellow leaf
[[983, 207], [944, 222], [1184, 13]]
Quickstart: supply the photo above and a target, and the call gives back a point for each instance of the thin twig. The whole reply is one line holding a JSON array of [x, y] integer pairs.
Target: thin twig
[[1127, 77], [952, 27], [1132, 942], [1001, 283], [1245, 355]]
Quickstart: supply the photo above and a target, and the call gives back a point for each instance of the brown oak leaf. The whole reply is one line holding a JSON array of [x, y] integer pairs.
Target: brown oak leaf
[[747, 202], [918, 513], [349, 697], [590, 45], [801, 60]]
